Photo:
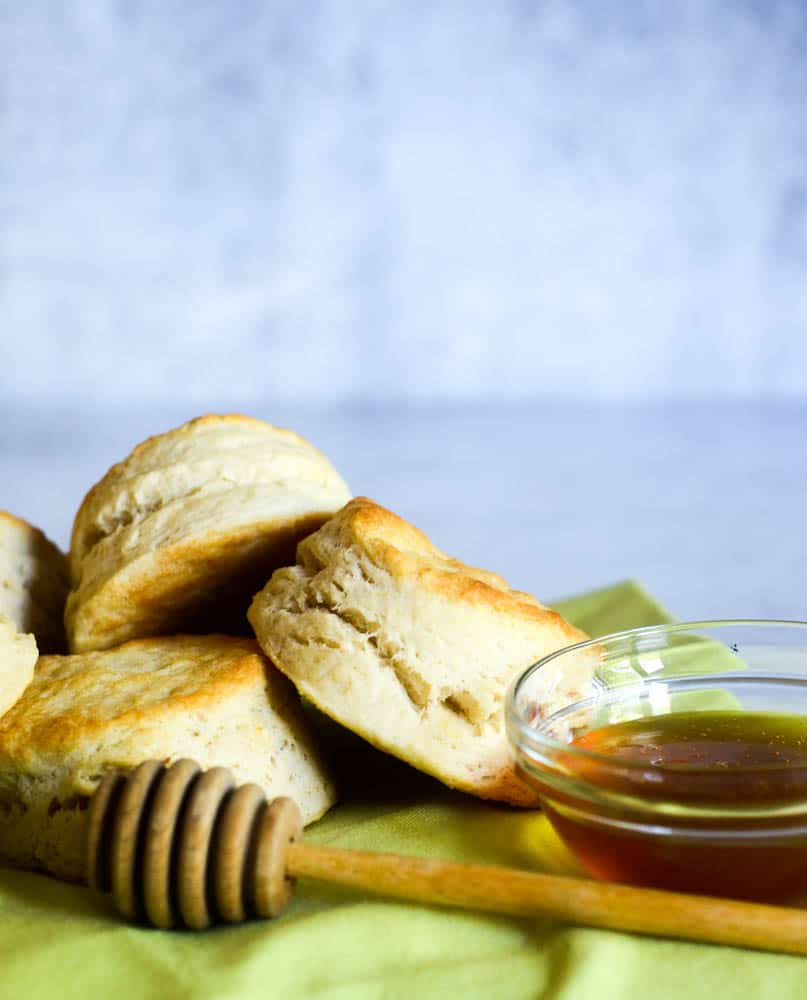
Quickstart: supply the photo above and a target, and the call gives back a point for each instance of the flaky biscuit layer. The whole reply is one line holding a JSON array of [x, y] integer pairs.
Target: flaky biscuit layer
[[411, 649], [181, 533]]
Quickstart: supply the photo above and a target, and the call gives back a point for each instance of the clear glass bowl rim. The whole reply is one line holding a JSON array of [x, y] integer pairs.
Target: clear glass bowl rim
[[524, 735]]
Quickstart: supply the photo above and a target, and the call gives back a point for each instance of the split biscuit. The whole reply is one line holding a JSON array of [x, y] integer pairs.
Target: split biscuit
[[411, 649], [33, 582], [179, 536], [215, 699]]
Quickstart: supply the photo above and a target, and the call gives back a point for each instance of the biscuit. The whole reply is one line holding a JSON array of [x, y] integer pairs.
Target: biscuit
[[180, 535], [214, 699], [18, 655], [411, 649], [33, 582]]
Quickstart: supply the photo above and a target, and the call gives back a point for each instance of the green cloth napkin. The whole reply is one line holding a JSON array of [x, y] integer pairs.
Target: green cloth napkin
[[61, 941]]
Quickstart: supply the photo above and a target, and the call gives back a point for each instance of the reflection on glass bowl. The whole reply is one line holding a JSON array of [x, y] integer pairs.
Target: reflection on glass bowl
[[685, 764]]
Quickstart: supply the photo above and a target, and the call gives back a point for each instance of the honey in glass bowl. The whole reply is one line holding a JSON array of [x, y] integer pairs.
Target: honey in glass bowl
[[686, 767]]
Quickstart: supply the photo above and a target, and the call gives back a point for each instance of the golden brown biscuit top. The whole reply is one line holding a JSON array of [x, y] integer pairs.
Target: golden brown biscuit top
[[220, 429], [214, 453], [406, 553], [143, 682]]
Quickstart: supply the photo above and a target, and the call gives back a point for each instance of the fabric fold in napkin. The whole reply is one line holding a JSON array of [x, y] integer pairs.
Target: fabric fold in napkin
[[57, 940]]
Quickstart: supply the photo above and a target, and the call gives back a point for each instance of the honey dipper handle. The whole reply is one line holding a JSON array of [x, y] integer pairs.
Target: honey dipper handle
[[175, 845], [580, 901]]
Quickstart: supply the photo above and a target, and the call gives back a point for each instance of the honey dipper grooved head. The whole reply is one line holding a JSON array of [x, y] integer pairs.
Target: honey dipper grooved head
[[178, 846]]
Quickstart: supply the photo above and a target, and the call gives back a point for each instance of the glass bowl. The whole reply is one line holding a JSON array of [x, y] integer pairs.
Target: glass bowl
[[684, 763]]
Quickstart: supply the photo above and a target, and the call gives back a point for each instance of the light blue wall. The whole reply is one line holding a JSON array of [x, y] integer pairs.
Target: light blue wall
[[319, 201]]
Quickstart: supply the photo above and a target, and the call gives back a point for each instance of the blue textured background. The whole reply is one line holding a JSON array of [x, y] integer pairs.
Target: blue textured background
[[324, 201]]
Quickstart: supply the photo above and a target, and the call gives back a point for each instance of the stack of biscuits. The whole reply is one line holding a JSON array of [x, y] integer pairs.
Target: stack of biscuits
[[215, 575]]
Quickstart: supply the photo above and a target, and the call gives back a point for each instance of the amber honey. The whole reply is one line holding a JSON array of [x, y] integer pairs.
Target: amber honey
[[736, 782]]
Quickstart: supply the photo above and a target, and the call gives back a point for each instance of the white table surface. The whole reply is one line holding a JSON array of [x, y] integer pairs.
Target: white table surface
[[703, 504]]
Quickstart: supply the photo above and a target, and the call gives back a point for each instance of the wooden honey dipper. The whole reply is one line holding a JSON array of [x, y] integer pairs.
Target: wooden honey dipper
[[178, 846]]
